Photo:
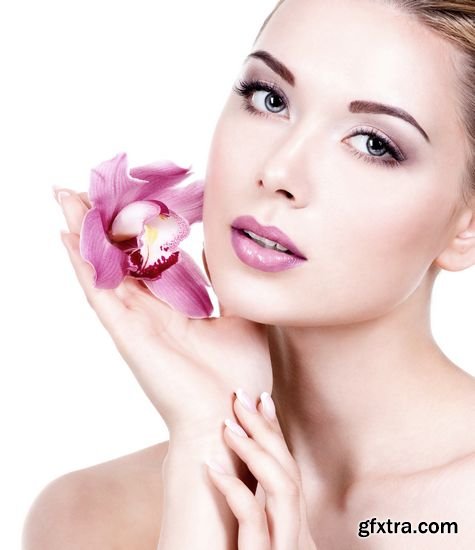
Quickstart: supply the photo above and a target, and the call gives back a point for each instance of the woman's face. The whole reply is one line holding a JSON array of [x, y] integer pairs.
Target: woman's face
[[370, 217]]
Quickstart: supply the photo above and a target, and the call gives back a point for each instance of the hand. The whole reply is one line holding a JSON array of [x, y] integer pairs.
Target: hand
[[184, 365], [281, 523]]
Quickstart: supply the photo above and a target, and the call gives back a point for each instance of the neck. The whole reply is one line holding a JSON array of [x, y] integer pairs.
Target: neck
[[354, 399]]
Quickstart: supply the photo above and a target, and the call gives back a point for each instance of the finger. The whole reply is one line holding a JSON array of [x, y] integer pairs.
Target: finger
[[263, 426], [265, 429], [283, 495], [74, 209], [253, 532], [85, 199], [75, 205], [132, 293], [105, 302]]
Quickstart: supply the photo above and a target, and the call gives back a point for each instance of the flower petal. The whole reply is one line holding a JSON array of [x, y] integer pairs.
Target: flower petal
[[109, 184], [155, 179], [186, 201], [109, 263], [161, 237], [160, 174], [130, 220], [183, 287]]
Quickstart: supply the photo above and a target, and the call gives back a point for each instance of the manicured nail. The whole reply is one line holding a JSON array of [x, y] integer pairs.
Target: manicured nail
[[245, 400], [268, 407], [216, 466], [235, 427], [60, 195]]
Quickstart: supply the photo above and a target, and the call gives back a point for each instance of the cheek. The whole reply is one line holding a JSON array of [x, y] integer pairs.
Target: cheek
[[218, 190], [221, 203], [225, 166], [407, 231], [380, 252], [232, 166], [369, 249]]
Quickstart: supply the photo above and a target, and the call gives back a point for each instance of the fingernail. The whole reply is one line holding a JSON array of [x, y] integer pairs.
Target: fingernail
[[216, 466], [60, 194], [245, 400], [235, 427], [268, 407]]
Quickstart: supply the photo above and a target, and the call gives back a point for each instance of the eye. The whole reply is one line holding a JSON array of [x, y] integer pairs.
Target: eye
[[376, 147], [272, 102]]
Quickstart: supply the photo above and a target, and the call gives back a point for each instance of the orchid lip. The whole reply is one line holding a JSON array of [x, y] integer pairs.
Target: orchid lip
[[267, 232]]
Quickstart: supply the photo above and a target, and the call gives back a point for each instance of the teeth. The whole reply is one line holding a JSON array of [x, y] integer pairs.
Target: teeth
[[267, 243]]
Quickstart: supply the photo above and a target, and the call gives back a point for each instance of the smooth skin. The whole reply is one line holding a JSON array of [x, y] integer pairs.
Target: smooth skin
[[373, 410], [378, 420], [280, 520]]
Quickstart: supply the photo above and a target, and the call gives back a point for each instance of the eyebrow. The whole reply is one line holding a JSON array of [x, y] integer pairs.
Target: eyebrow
[[276, 65], [357, 106], [360, 106]]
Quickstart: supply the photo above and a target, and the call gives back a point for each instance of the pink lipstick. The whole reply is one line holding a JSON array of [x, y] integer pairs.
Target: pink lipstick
[[265, 248]]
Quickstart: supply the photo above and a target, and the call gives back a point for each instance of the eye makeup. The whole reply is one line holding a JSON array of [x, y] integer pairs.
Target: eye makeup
[[248, 87]]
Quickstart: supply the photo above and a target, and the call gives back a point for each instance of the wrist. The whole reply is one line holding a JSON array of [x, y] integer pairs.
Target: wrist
[[195, 513], [199, 435], [190, 449]]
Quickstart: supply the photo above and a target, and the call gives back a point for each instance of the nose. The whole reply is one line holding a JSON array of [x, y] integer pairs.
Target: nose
[[286, 171]]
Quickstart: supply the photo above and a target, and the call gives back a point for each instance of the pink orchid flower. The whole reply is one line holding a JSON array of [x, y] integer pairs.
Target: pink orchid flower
[[135, 226]]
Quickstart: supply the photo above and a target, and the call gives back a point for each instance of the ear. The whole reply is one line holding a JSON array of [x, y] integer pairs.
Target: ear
[[460, 252]]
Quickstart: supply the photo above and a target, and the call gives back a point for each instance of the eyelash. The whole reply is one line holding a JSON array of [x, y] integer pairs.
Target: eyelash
[[246, 88]]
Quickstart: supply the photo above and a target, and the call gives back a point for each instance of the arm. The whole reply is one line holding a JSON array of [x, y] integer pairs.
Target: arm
[[204, 522], [195, 513]]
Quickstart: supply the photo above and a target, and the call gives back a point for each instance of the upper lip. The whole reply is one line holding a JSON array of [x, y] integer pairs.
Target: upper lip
[[269, 232]]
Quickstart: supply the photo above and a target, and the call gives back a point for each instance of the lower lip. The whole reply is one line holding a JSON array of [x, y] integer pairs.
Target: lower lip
[[258, 257]]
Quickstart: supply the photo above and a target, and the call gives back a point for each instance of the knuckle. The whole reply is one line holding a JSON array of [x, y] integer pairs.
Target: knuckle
[[294, 471], [244, 503], [90, 299], [261, 518], [253, 514], [286, 487], [293, 490]]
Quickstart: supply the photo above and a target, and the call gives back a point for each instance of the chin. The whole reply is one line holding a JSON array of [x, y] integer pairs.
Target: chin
[[241, 301]]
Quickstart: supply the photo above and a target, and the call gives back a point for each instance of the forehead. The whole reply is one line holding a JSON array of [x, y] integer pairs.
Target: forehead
[[343, 49]]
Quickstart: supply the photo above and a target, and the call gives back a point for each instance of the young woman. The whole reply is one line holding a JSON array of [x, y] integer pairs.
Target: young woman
[[351, 130]]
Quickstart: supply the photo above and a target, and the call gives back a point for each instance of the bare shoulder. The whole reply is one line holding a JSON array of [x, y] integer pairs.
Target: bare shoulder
[[115, 504], [451, 493], [457, 481]]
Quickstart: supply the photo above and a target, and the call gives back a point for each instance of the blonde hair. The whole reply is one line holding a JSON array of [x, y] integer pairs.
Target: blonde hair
[[453, 20]]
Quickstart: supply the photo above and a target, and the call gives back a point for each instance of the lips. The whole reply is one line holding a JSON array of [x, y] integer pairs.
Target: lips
[[268, 232]]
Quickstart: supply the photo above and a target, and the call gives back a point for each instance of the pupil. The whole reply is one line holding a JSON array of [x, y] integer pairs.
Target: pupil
[[371, 142], [270, 101]]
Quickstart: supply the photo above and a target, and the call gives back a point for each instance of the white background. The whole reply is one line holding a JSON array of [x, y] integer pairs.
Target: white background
[[82, 82]]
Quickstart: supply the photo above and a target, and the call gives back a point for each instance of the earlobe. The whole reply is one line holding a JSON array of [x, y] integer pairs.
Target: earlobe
[[460, 253], [460, 250]]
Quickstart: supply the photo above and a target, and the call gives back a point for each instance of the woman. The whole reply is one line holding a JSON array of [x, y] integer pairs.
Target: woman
[[351, 129]]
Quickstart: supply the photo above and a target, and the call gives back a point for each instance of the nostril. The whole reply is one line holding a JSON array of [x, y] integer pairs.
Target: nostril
[[287, 194]]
